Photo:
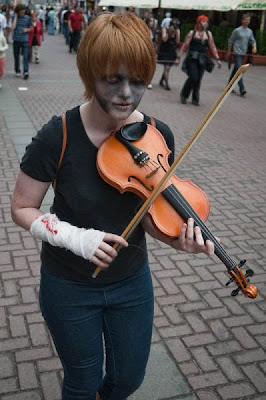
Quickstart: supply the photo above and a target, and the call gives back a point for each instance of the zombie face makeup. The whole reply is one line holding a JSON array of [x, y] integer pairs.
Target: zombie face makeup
[[119, 94]]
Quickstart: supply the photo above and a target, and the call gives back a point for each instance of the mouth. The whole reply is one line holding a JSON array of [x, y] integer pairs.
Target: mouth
[[122, 106]]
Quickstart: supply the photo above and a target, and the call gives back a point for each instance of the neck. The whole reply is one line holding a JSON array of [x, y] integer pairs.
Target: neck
[[94, 118]]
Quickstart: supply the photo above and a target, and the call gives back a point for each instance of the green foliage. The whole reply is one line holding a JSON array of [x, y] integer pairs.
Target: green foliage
[[222, 34], [261, 42], [184, 29]]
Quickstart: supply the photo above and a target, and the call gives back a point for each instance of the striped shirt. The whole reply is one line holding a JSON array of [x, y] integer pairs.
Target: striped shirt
[[22, 23]]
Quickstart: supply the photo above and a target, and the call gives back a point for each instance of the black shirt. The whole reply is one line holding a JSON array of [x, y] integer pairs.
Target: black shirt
[[83, 199]]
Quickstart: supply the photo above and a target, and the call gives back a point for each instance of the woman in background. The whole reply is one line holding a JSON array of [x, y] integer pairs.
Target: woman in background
[[196, 44]]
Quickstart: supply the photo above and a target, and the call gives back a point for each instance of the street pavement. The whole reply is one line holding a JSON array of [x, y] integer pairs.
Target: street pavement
[[207, 345]]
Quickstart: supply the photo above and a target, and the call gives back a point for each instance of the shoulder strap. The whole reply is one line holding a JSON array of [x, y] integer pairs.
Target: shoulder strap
[[153, 122], [64, 142]]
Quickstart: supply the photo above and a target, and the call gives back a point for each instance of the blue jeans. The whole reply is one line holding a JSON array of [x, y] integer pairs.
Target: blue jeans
[[19, 47], [83, 319], [238, 63]]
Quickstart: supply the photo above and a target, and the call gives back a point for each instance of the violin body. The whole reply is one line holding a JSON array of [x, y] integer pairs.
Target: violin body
[[117, 167]]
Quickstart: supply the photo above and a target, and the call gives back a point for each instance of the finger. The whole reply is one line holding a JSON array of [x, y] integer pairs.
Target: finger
[[182, 234], [111, 237], [190, 229], [103, 256], [99, 263], [106, 248], [209, 247], [198, 236], [218, 239]]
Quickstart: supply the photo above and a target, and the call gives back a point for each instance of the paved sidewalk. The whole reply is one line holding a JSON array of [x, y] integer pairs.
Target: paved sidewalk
[[207, 345]]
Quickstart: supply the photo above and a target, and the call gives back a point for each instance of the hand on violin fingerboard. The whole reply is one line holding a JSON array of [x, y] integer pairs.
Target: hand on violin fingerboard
[[190, 240]]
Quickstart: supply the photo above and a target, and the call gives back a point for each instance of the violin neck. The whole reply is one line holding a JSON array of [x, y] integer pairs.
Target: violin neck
[[183, 208]]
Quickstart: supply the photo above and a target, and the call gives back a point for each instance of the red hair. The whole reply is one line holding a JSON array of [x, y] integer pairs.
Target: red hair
[[199, 19]]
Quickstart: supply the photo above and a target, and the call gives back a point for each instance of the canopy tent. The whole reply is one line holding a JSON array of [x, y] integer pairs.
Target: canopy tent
[[251, 5], [217, 5], [132, 3]]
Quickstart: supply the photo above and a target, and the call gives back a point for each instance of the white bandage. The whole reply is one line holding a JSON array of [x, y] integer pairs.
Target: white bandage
[[82, 242]]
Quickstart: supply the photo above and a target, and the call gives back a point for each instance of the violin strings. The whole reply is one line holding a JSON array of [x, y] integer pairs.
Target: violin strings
[[205, 230], [201, 224]]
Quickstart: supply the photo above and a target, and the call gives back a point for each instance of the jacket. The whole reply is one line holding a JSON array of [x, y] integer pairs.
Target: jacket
[[39, 33]]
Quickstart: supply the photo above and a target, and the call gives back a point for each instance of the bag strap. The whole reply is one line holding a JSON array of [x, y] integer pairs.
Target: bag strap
[[153, 122], [63, 148]]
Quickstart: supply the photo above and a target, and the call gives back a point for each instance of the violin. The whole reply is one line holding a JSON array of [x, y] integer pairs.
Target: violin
[[135, 159]]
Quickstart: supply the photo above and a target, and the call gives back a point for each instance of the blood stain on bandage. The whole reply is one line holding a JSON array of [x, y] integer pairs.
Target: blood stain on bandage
[[50, 225]]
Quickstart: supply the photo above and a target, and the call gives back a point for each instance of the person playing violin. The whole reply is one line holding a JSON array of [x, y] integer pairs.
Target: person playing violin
[[116, 62]]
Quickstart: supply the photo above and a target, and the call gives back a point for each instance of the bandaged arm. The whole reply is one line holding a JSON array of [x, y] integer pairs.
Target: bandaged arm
[[82, 242]]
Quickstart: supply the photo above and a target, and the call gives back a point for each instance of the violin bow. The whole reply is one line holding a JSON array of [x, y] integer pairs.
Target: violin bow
[[157, 190]]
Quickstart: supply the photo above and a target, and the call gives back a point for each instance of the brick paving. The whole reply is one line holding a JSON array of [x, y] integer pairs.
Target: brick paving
[[217, 341]]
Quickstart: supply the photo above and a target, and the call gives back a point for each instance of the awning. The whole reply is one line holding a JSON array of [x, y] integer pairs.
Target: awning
[[217, 5], [131, 3], [251, 5]]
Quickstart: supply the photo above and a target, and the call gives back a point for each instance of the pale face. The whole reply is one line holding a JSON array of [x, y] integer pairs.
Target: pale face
[[203, 25], [246, 22], [119, 94]]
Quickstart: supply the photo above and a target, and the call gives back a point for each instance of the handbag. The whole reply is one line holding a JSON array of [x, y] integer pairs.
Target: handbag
[[209, 65]]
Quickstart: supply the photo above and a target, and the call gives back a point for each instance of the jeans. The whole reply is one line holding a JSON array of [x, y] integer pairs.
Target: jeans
[[74, 40], [19, 47], [66, 33], [83, 319], [238, 63], [195, 73]]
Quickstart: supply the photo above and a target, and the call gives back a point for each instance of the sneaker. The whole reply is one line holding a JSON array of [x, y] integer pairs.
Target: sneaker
[[243, 93], [195, 103], [149, 86], [26, 75], [18, 73]]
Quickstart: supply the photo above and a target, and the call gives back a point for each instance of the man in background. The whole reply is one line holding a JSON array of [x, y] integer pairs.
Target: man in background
[[239, 41], [75, 25]]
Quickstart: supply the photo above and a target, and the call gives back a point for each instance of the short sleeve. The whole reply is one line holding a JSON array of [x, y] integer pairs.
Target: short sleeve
[[42, 155]]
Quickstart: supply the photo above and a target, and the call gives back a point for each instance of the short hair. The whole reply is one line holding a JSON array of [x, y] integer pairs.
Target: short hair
[[20, 7], [246, 15], [112, 39]]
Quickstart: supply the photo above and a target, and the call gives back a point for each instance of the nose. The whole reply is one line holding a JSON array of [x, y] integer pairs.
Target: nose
[[125, 91]]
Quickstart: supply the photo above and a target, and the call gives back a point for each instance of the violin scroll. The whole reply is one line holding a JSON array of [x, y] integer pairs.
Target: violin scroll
[[242, 281]]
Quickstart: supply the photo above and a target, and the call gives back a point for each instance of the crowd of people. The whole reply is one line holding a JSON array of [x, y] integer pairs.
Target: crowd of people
[[28, 28]]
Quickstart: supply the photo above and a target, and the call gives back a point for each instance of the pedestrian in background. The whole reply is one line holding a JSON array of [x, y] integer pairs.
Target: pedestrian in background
[[110, 315], [35, 38], [21, 27], [166, 20], [3, 24], [3, 49], [196, 44], [167, 53], [75, 25], [41, 16], [51, 21], [65, 14], [239, 41]]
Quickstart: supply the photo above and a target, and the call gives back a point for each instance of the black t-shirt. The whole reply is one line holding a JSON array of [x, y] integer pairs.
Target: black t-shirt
[[83, 199]]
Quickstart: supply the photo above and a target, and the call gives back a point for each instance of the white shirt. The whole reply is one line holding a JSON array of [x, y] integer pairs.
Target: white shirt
[[2, 23]]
